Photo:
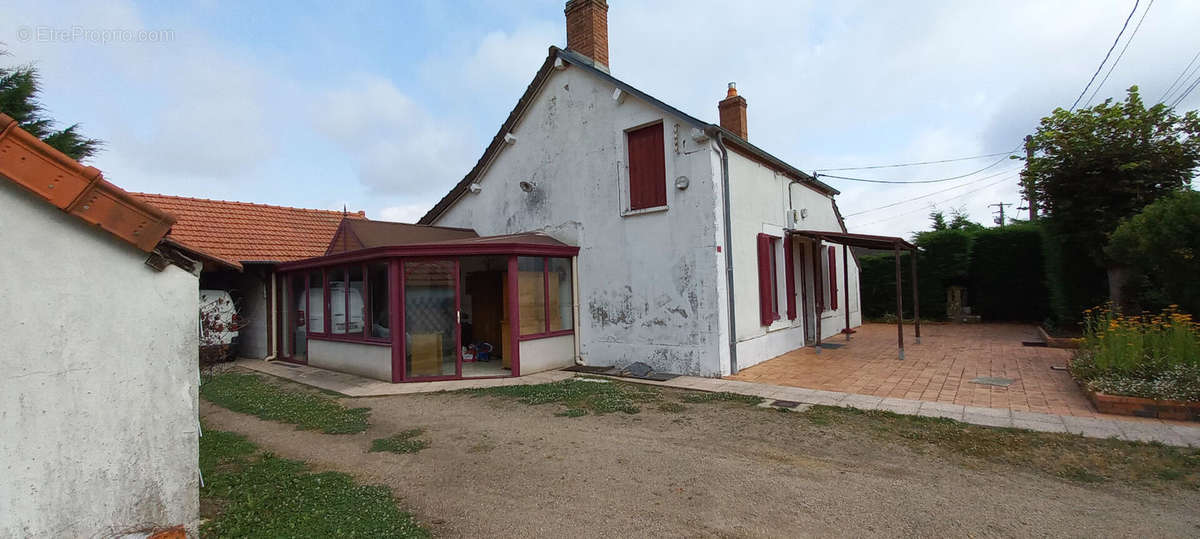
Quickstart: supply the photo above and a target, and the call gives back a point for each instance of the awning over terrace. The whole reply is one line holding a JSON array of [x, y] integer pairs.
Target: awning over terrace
[[868, 241]]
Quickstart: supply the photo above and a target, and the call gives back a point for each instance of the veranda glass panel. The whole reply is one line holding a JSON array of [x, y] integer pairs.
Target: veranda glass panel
[[380, 306], [430, 319], [337, 301], [531, 294], [559, 283]]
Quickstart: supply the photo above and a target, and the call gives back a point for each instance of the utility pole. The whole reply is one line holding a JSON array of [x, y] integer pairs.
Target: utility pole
[[1030, 189], [1001, 205]]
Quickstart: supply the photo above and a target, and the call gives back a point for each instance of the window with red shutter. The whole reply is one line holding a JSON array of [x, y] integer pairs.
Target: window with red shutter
[[647, 167], [768, 280], [833, 289]]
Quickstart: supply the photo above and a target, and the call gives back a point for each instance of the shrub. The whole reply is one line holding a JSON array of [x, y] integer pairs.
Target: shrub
[[1152, 356], [1162, 243], [1007, 274]]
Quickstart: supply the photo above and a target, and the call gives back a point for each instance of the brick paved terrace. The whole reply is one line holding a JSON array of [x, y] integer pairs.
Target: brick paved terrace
[[940, 369]]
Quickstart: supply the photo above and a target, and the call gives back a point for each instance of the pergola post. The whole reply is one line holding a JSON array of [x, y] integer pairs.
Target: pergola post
[[916, 297], [846, 286], [819, 291], [899, 303]]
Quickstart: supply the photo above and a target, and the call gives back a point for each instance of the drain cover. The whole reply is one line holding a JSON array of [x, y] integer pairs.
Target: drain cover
[[831, 345], [993, 381], [785, 404]]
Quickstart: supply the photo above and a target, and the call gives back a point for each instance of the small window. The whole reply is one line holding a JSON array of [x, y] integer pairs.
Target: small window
[[647, 168]]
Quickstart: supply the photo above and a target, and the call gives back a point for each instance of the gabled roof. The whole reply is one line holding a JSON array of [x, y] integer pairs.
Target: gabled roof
[[246, 232], [355, 234], [556, 54], [78, 190]]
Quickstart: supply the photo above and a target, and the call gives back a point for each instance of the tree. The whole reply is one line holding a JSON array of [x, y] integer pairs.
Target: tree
[[19, 89], [1162, 244], [1093, 167]]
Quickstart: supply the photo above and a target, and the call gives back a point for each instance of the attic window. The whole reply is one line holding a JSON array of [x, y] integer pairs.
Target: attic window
[[647, 167]]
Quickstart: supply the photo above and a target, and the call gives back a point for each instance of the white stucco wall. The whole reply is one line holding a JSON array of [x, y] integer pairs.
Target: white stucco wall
[[98, 415], [539, 355], [370, 360], [759, 204], [648, 283]]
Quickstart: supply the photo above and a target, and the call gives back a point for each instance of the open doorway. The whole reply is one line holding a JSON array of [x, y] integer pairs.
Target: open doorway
[[487, 350]]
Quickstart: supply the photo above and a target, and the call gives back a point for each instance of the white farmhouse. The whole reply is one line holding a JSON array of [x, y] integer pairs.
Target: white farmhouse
[[699, 252]]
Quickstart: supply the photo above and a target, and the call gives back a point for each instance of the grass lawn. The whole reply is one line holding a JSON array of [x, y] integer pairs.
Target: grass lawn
[[248, 493], [585, 395], [1068, 456], [250, 394]]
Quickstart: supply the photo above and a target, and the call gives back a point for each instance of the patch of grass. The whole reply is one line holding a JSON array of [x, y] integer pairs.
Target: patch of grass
[[580, 395], [1069, 456], [572, 412], [262, 495], [250, 394], [405, 442], [671, 407], [720, 396]]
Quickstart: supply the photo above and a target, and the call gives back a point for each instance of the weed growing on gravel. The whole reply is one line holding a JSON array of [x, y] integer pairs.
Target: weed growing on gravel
[[262, 495], [249, 394], [1069, 456], [405, 442], [580, 395], [720, 396]]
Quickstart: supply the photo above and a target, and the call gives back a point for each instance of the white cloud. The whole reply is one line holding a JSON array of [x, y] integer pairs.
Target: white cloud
[[408, 213], [399, 147]]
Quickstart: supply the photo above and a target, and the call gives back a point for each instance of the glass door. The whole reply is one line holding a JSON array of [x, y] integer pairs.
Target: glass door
[[297, 298], [431, 319]]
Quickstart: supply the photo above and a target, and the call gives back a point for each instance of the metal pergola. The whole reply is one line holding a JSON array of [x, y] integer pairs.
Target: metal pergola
[[867, 241]]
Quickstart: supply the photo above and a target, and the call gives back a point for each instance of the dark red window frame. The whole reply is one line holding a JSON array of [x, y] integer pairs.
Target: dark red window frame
[[768, 280], [364, 336], [833, 287], [646, 153], [546, 303]]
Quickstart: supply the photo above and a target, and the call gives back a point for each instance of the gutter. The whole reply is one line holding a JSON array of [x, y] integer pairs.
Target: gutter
[[733, 365]]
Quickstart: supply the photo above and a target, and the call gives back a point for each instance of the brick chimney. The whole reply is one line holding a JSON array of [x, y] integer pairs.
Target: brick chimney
[[587, 30], [733, 112]]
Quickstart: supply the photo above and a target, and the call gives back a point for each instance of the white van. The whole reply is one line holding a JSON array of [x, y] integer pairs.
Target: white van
[[219, 324], [337, 310]]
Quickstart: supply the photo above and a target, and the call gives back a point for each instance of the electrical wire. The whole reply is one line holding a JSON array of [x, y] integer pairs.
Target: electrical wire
[[1110, 50], [1185, 93], [935, 204], [927, 195], [1171, 89], [938, 180], [1121, 55], [917, 163]]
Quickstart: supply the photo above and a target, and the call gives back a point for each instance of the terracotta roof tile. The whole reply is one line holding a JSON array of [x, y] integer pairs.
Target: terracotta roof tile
[[248, 232]]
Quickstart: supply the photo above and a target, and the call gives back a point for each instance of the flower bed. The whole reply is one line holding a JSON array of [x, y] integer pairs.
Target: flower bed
[[1146, 365]]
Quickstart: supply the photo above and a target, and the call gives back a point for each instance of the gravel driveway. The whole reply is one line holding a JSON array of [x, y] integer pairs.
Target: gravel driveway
[[498, 468]]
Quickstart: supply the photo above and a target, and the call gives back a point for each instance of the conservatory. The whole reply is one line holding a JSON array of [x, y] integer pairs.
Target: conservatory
[[405, 303]]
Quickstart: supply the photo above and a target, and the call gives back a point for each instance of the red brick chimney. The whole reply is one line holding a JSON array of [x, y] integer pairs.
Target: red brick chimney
[[587, 30], [733, 112]]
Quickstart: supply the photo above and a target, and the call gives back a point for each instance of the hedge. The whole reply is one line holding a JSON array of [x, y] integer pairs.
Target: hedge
[[1006, 274]]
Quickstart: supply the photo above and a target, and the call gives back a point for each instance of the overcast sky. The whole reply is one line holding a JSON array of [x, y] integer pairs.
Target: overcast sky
[[382, 107]]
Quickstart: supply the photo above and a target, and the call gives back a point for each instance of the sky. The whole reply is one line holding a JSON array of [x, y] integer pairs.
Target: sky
[[384, 106]]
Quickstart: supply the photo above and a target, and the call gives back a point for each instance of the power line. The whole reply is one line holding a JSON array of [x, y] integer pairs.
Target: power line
[[917, 163], [1171, 89], [927, 195], [935, 204], [1110, 50], [939, 180], [1184, 95], [1121, 55]]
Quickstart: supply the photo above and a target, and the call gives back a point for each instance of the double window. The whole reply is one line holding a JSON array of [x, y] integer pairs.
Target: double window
[[775, 264], [350, 302], [544, 294], [647, 167]]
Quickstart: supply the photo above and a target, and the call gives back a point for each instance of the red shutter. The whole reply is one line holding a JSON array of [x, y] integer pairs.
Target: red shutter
[[647, 168], [766, 312], [833, 291], [789, 277]]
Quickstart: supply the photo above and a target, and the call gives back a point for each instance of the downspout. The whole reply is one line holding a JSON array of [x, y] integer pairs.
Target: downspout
[[733, 365], [575, 305], [271, 331]]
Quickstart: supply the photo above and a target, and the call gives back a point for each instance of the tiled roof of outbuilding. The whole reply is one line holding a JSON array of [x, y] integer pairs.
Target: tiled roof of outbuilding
[[247, 232]]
